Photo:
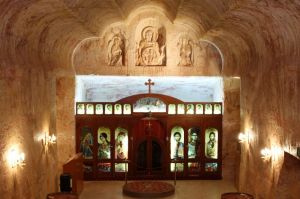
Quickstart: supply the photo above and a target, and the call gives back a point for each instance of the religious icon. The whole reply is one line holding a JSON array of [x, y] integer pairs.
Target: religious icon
[[121, 167], [149, 104], [190, 109], [86, 143], [211, 167], [104, 143], [211, 143], [89, 109], [99, 109], [193, 144], [127, 109], [118, 109], [108, 109], [208, 109], [177, 146], [121, 144], [180, 109], [171, 109], [149, 51], [199, 109], [104, 167], [80, 109], [217, 109]]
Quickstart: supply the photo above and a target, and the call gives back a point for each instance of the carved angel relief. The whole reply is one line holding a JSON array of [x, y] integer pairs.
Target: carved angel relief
[[150, 51], [186, 54], [115, 50]]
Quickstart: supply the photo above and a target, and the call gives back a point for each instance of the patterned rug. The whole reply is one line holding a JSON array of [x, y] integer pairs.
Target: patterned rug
[[148, 189]]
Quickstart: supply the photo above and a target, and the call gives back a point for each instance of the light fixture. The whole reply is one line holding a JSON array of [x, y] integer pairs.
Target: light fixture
[[274, 153], [49, 139], [266, 153], [242, 137], [245, 137], [16, 158]]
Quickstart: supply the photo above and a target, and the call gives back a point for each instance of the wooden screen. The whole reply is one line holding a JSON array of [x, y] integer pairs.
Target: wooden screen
[[150, 136]]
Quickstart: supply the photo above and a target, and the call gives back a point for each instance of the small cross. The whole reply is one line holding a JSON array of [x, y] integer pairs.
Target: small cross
[[149, 84], [149, 124]]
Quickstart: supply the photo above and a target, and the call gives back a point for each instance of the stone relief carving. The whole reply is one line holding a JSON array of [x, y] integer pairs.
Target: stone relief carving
[[115, 50], [185, 45], [150, 50]]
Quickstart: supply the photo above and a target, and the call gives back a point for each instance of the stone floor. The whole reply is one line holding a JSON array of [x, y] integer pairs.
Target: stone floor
[[185, 189]]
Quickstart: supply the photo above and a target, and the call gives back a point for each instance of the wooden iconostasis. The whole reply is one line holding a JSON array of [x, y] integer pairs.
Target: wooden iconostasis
[[150, 136]]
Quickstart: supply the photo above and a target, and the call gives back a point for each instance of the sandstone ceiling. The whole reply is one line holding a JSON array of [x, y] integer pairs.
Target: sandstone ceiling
[[45, 32]]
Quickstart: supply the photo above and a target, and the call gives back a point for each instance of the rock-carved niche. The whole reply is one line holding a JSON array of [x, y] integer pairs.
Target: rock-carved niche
[[151, 50], [116, 50], [185, 48]]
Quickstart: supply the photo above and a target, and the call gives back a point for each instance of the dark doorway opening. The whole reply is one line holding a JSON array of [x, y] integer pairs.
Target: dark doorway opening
[[149, 156]]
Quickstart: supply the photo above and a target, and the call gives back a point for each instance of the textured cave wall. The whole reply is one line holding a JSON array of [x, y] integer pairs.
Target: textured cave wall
[[231, 129], [27, 105], [262, 47], [65, 119], [43, 40], [32, 47]]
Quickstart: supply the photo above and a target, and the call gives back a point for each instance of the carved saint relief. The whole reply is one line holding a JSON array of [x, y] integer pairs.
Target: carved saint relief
[[185, 45], [150, 52], [115, 53]]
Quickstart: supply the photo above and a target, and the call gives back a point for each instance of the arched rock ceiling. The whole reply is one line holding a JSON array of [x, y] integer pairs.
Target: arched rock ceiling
[[45, 32]]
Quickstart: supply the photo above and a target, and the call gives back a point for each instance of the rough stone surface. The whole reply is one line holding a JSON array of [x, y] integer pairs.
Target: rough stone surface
[[27, 104], [65, 119], [231, 128], [45, 43]]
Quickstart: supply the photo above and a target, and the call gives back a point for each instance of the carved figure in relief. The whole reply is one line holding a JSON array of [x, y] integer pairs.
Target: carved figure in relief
[[185, 52], [115, 51], [149, 52]]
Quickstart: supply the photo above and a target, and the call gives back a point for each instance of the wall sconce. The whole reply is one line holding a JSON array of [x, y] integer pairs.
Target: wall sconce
[[266, 153], [16, 158], [242, 137], [49, 139], [273, 153], [245, 137]]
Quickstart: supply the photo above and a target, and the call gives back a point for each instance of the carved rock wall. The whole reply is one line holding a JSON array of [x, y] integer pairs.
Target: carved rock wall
[[27, 113], [65, 119], [259, 41], [267, 60], [231, 128]]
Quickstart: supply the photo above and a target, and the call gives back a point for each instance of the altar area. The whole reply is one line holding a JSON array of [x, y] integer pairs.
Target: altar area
[[150, 136]]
